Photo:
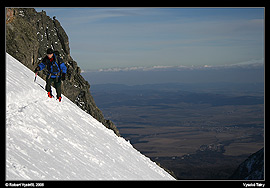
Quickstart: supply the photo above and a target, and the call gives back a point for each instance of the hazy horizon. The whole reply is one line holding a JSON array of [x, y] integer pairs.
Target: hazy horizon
[[246, 74]]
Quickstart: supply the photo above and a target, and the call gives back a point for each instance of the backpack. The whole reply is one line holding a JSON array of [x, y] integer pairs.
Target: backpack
[[56, 52], [54, 68]]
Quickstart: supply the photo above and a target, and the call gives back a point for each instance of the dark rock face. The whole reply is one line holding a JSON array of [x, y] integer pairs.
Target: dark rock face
[[252, 168], [29, 34], [21, 38]]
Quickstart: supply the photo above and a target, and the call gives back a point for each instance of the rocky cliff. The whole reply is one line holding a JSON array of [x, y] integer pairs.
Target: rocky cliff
[[252, 168], [28, 35]]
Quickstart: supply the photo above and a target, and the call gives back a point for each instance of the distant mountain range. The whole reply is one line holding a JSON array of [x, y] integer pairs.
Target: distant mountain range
[[239, 73], [248, 64]]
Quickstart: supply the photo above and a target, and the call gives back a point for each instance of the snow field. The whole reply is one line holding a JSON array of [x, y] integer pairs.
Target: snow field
[[49, 140]]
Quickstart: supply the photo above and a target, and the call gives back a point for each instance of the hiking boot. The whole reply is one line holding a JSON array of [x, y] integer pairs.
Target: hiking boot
[[50, 94], [59, 98]]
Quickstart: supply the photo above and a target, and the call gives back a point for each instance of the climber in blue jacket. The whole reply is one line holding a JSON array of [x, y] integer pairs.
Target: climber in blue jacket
[[56, 71]]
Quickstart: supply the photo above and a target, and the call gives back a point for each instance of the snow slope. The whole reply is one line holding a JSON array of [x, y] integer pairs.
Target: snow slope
[[48, 140]]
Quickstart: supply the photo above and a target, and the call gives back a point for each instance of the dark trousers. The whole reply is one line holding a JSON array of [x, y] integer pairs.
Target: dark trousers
[[57, 85]]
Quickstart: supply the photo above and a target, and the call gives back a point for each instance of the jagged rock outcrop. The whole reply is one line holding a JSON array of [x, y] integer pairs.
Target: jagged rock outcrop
[[29, 34], [252, 168]]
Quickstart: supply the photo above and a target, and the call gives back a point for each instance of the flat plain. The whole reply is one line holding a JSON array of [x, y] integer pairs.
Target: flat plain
[[197, 135]]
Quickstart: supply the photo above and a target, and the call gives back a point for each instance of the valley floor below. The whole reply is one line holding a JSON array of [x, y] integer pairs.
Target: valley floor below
[[196, 135]]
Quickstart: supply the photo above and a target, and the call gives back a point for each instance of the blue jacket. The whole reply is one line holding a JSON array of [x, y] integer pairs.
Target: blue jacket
[[55, 68]]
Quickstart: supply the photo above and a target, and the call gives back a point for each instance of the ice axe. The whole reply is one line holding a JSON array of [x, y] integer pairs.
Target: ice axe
[[35, 77]]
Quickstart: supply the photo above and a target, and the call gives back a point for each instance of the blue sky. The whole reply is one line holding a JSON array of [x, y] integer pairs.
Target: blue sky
[[102, 38]]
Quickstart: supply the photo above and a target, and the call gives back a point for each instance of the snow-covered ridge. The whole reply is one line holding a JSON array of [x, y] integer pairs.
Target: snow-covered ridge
[[48, 140]]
